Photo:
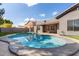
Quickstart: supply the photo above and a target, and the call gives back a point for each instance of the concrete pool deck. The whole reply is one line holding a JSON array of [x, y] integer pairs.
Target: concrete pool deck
[[65, 37], [70, 49], [4, 49]]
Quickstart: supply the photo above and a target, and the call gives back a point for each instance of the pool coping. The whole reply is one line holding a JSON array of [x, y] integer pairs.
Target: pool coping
[[59, 36]]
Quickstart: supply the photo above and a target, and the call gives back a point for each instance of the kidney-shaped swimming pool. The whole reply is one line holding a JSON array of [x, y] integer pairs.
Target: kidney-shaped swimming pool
[[37, 41]]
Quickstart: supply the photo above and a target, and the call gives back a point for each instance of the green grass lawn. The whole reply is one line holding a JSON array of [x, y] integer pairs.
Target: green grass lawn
[[75, 37], [6, 33]]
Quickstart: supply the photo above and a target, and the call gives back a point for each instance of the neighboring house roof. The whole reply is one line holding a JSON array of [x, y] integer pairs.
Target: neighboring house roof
[[30, 24], [73, 7]]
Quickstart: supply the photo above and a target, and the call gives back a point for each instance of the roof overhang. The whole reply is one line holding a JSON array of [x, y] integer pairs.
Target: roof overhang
[[73, 7], [49, 22]]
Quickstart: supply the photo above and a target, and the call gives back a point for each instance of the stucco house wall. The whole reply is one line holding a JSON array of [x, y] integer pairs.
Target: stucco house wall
[[73, 15], [40, 30], [35, 27]]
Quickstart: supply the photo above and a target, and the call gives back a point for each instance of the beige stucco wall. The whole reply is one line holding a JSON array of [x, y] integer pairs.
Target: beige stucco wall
[[39, 31], [63, 22], [35, 27]]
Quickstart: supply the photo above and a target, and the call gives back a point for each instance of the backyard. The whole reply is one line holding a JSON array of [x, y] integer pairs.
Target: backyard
[[75, 37], [36, 43]]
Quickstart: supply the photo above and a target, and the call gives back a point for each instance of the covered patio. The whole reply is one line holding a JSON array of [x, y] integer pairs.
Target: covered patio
[[50, 26]]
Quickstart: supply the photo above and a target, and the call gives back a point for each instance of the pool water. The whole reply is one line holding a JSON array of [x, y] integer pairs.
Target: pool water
[[38, 41]]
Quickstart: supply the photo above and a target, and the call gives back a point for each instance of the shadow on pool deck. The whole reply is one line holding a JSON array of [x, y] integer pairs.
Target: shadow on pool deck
[[66, 50]]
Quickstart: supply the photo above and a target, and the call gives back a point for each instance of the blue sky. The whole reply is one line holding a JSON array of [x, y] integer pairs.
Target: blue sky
[[19, 12]]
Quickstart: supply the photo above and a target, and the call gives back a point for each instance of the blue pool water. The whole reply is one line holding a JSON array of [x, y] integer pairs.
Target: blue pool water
[[37, 41]]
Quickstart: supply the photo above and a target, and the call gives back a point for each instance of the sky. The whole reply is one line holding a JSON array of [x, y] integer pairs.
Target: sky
[[19, 13]]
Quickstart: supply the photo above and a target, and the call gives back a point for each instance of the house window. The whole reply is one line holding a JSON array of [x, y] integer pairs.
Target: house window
[[76, 25], [73, 25], [57, 26], [70, 25]]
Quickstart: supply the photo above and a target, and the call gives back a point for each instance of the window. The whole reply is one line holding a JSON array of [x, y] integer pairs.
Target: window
[[73, 25], [76, 25], [57, 26], [70, 25]]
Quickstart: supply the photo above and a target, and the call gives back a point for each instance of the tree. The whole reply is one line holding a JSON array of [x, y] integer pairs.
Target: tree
[[8, 21], [1, 21], [0, 3], [4, 22], [2, 11]]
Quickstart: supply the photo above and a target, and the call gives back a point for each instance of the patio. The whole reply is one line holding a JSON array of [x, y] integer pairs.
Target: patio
[[11, 48]]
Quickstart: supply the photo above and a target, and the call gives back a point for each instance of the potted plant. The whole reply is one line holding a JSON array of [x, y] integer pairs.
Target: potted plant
[[62, 33]]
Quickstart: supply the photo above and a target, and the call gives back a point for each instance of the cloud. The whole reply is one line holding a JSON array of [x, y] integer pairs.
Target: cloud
[[26, 20], [32, 19], [21, 24], [14, 25], [54, 13], [4, 17], [42, 15], [31, 4]]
